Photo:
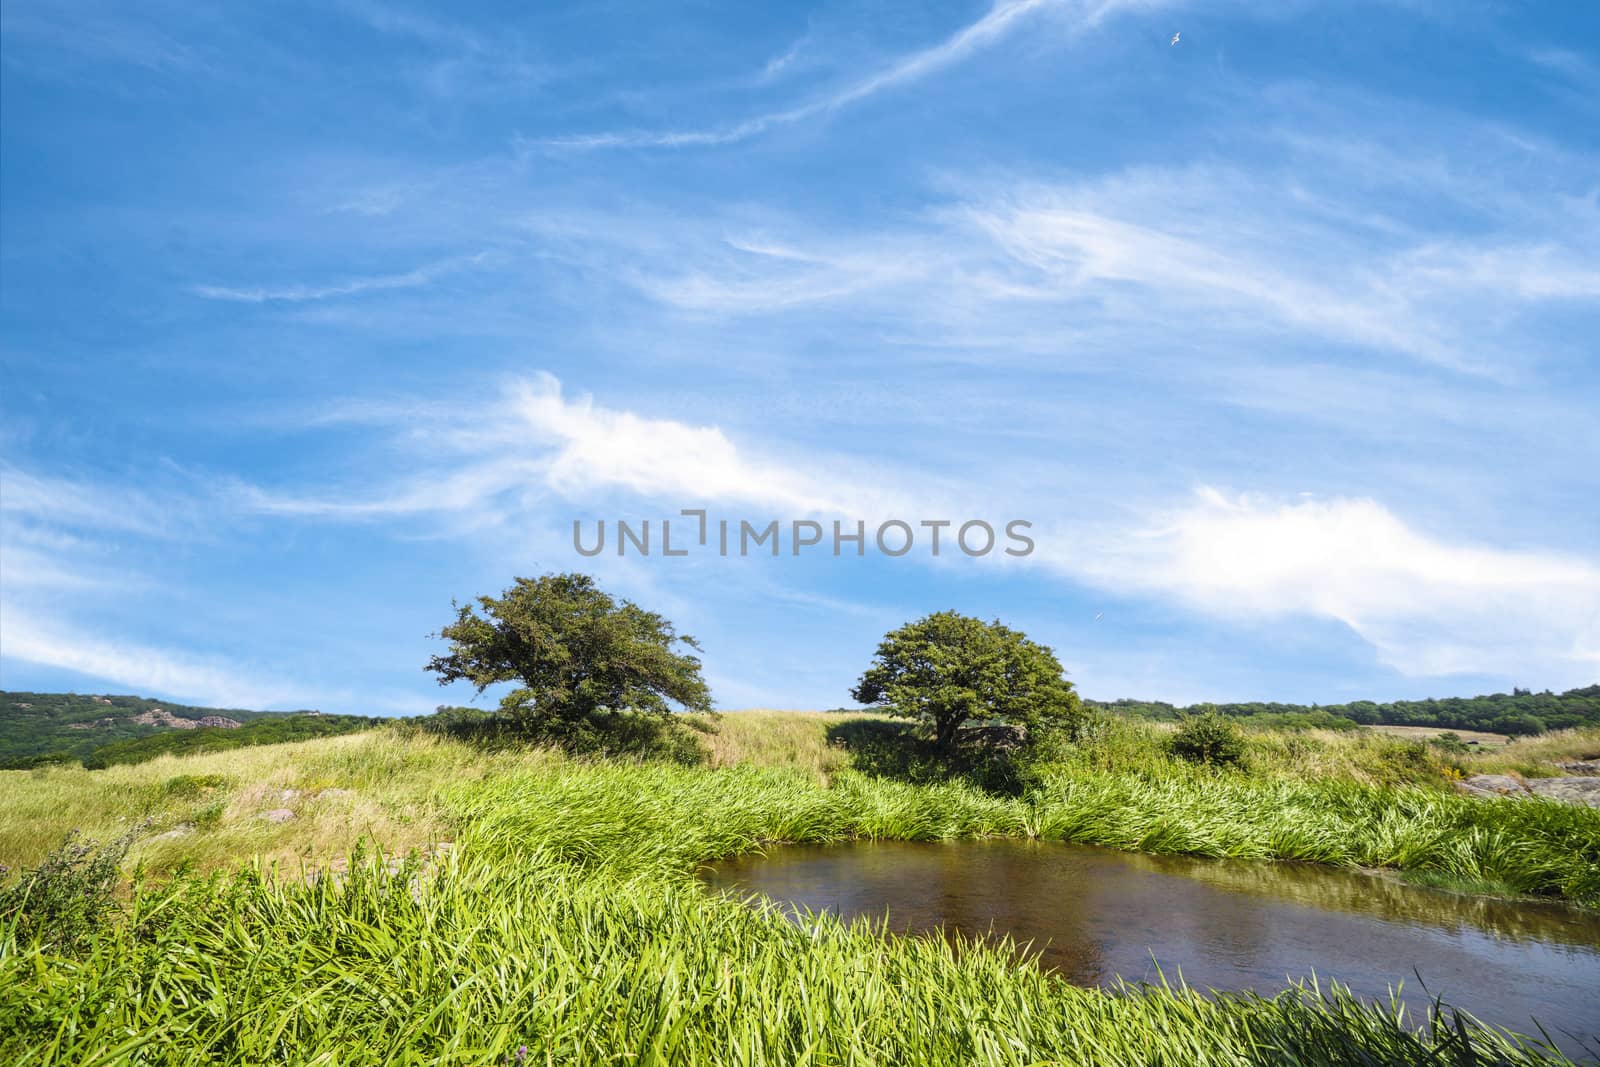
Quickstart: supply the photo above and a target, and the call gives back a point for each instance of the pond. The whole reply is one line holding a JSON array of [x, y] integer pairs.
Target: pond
[[1095, 915]]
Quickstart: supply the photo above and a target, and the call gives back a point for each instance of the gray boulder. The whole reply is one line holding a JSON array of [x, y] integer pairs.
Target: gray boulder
[[1493, 785], [1571, 790], [1574, 790]]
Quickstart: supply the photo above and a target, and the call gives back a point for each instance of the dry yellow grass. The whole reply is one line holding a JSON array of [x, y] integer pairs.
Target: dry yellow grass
[[375, 785], [769, 738], [380, 786], [1423, 733], [1535, 757]]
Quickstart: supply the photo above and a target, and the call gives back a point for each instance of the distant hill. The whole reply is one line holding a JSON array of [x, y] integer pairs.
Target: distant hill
[[38, 728], [1519, 712]]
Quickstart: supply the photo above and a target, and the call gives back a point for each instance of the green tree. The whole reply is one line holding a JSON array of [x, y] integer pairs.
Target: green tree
[[947, 670], [583, 657]]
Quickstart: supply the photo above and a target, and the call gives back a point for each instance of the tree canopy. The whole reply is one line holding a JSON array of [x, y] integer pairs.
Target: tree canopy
[[579, 653], [948, 670]]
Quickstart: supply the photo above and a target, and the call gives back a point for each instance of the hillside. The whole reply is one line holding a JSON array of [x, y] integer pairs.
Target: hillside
[[100, 730]]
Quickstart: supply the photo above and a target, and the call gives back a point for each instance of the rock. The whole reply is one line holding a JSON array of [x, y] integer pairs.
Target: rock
[[1493, 785], [181, 830], [163, 717], [1570, 790], [1587, 765], [277, 815], [1574, 790], [327, 794], [290, 794]]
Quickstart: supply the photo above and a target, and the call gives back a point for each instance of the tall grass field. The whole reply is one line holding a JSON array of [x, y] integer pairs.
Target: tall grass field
[[292, 904]]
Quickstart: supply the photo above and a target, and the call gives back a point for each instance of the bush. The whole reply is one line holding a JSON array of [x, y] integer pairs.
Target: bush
[[1408, 761], [1209, 738], [190, 786], [61, 902]]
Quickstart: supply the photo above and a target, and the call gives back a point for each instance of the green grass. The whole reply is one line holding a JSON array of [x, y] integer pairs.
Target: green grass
[[566, 918], [583, 967]]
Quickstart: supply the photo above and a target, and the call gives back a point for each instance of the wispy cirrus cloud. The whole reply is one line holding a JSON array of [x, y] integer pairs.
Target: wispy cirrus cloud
[[300, 293], [56, 502], [999, 22], [142, 667], [1223, 254], [86, 32]]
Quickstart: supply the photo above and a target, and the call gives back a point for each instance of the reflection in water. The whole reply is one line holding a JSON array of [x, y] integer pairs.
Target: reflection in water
[[1385, 897], [1094, 915]]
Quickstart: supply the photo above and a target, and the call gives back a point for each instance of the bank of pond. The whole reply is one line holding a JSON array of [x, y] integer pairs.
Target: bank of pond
[[1100, 917]]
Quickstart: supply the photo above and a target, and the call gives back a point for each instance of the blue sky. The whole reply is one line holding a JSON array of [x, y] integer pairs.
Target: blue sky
[[1283, 337]]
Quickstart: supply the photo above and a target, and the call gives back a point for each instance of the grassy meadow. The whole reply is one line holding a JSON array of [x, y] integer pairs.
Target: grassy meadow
[[264, 919]]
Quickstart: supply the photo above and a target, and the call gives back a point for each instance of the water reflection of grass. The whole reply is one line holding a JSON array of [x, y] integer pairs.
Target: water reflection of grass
[[1383, 896]]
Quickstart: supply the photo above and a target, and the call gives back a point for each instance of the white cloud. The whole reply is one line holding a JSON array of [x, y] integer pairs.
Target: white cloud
[[1531, 272], [759, 275], [1218, 256], [299, 293], [599, 448], [141, 667], [536, 440], [1427, 605], [64, 501], [26, 636], [1001, 20]]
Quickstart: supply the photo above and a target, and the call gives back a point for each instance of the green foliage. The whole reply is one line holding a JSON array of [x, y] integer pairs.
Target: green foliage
[[1519, 713], [1450, 742], [1299, 720], [949, 671], [1208, 737], [590, 665], [63, 901]]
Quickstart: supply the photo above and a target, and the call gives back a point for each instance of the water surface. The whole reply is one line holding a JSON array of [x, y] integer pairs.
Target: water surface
[[1095, 915]]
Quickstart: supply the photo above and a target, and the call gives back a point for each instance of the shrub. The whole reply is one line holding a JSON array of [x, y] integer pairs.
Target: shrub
[[61, 902], [189, 786], [1408, 761], [1209, 738]]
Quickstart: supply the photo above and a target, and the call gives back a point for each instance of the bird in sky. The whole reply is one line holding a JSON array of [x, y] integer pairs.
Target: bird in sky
[[1097, 615], [1174, 39]]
